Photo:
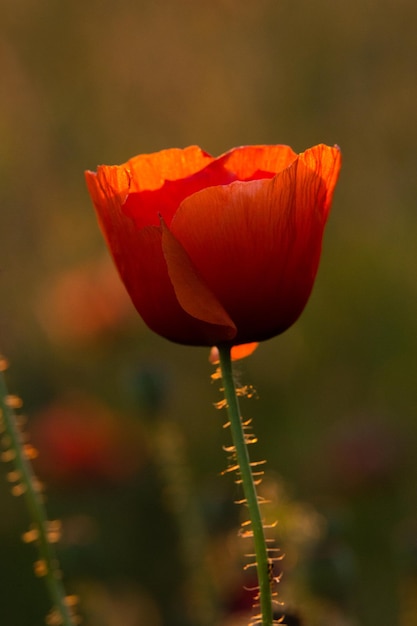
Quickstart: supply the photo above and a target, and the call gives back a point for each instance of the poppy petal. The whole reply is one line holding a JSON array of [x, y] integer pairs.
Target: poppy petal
[[146, 206], [150, 171], [141, 263], [108, 187], [254, 162], [326, 163], [257, 244], [145, 172], [150, 287], [241, 351], [192, 293]]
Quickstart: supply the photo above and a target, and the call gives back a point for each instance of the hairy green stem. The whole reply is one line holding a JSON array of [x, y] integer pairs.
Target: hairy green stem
[[26, 484], [249, 490]]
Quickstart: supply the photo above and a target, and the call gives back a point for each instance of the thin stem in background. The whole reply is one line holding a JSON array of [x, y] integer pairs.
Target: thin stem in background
[[42, 532], [249, 489]]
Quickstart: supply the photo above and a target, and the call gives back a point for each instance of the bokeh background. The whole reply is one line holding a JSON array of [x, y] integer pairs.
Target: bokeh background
[[130, 444]]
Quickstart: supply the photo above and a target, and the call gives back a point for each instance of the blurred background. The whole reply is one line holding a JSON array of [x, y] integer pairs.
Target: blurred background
[[130, 446]]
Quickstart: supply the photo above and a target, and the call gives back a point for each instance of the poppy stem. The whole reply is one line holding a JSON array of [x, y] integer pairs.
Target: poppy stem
[[249, 489], [25, 483]]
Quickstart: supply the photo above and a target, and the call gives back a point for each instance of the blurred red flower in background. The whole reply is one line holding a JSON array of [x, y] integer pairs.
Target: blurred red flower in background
[[84, 303], [217, 250], [81, 442]]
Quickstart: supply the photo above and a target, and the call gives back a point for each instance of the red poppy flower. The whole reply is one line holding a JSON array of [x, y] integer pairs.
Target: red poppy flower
[[217, 250]]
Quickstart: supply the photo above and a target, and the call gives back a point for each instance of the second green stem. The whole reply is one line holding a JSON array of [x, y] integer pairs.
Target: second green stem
[[26, 478]]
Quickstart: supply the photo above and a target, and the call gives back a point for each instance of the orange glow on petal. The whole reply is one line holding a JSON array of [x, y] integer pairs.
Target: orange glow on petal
[[111, 185], [325, 162], [255, 162], [238, 352], [108, 187], [146, 206], [146, 172], [150, 171], [243, 350]]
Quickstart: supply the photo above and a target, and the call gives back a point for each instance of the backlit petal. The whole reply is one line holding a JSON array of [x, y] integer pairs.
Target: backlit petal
[[254, 162], [141, 263], [146, 206], [108, 187], [326, 163], [257, 244], [150, 171], [145, 173], [238, 352]]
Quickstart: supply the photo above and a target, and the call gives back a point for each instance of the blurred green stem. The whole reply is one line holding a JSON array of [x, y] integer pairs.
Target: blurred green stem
[[249, 490], [13, 450]]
